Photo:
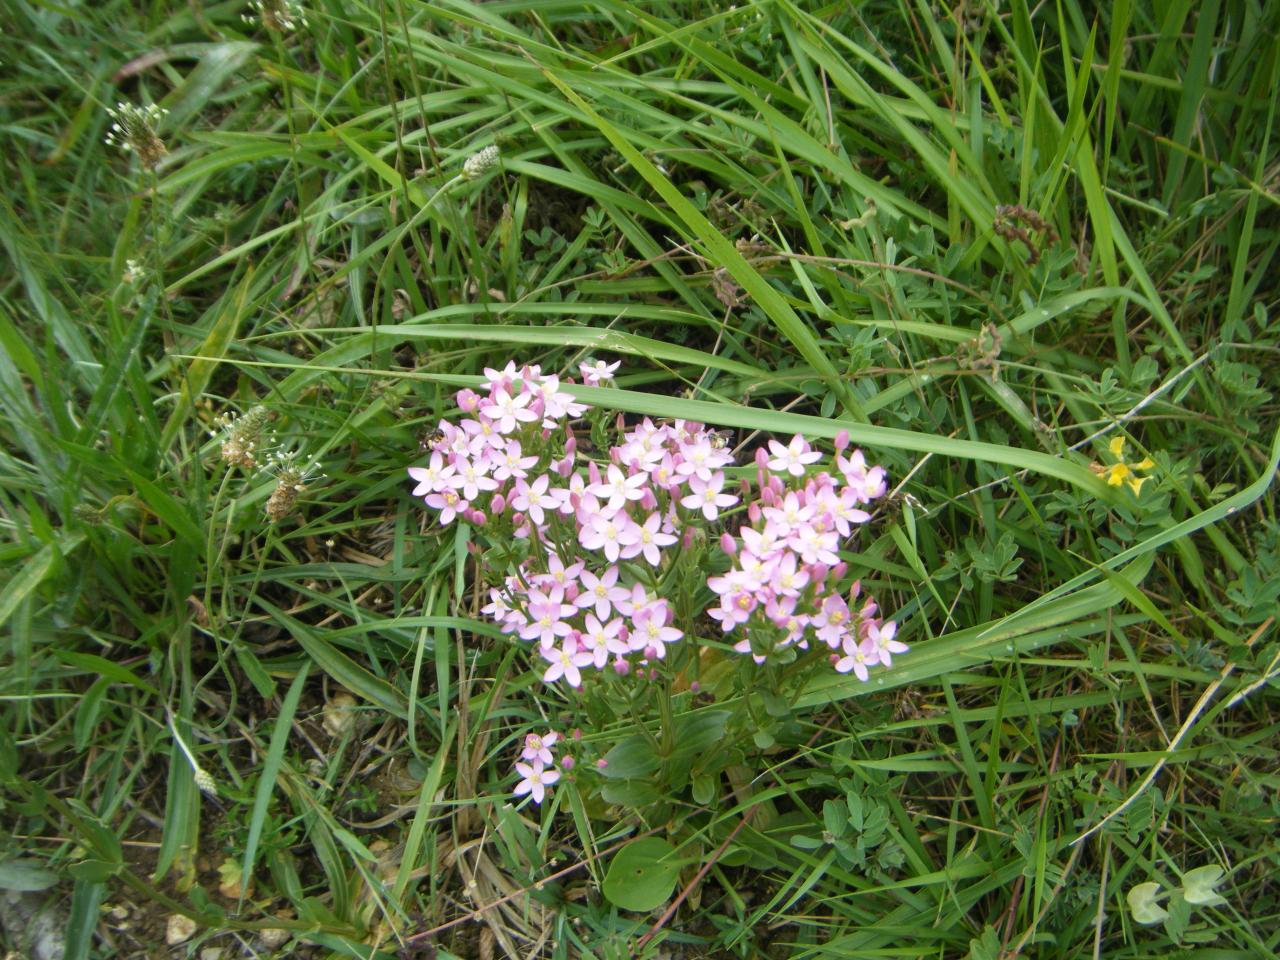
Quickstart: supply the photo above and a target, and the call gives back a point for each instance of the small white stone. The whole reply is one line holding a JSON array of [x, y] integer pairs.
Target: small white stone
[[273, 938], [178, 929]]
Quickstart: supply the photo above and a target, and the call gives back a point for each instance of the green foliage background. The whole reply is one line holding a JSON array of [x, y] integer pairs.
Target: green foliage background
[[984, 237]]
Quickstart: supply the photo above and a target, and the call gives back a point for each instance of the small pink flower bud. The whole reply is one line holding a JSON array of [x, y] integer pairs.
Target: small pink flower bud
[[762, 458], [577, 733], [842, 441], [593, 472], [566, 763], [653, 671], [648, 500], [621, 667], [767, 496], [571, 446], [621, 423], [744, 488], [563, 467], [651, 653], [518, 519], [753, 512], [601, 763], [498, 504], [839, 570], [477, 518], [546, 431], [686, 541], [728, 544], [694, 686], [834, 658]]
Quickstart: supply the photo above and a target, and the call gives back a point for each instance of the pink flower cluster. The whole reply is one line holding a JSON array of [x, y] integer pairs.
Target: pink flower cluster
[[780, 590], [512, 466]]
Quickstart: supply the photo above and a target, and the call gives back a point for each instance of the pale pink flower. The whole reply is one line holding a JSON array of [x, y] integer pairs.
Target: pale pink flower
[[651, 632], [792, 458], [645, 539], [602, 592], [433, 477], [511, 464], [506, 410], [601, 639], [503, 377], [538, 748], [697, 460], [470, 480], [619, 488], [536, 780], [546, 618], [594, 374], [815, 547], [533, 498], [448, 503], [881, 636], [787, 577], [566, 661], [858, 656], [706, 496], [832, 621], [734, 609], [603, 533]]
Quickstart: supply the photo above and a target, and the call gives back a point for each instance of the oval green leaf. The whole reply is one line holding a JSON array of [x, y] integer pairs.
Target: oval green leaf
[[642, 875]]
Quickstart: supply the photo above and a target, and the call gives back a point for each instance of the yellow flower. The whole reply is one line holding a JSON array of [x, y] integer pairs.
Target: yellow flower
[[1122, 472]]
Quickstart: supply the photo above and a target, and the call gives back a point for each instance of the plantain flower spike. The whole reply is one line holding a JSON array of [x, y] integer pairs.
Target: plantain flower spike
[[478, 164], [134, 129]]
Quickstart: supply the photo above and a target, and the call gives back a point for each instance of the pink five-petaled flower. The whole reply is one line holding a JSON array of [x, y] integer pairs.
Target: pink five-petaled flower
[[619, 488], [533, 498], [602, 639], [881, 637], [645, 539], [601, 592], [735, 608], [792, 458], [565, 661], [858, 655], [594, 374], [707, 497], [832, 621], [546, 618], [434, 476], [602, 532], [538, 748], [506, 410], [536, 780], [510, 464], [448, 503], [471, 479], [651, 633]]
